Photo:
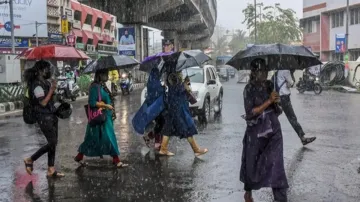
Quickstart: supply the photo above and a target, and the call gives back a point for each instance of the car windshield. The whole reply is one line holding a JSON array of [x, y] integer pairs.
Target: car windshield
[[196, 75], [223, 70]]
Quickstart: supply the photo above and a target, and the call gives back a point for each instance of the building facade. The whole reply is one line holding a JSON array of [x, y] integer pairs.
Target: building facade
[[324, 28], [95, 30]]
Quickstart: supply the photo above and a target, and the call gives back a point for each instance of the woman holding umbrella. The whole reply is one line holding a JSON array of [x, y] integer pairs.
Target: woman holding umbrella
[[100, 139], [262, 157], [178, 120]]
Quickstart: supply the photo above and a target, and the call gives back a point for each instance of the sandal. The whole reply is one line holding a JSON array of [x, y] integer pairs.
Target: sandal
[[29, 167], [248, 197], [147, 140], [56, 174], [121, 165], [80, 161], [308, 140], [201, 152]]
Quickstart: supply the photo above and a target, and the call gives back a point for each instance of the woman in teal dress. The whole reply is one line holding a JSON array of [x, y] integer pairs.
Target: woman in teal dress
[[101, 140]]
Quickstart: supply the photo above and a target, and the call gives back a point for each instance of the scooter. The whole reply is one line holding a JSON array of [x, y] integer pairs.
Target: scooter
[[312, 84], [63, 91], [126, 84]]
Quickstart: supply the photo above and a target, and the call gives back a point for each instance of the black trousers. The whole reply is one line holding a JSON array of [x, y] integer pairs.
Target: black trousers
[[290, 114], [49, 126], [280, 194]]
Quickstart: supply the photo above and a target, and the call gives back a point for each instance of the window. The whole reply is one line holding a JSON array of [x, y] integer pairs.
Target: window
[[337, 19], [88, 19], [98, 22], [208, 77], [354, 54], [77, 15], [78, 39], [355, 16], [196, 75], [212, 74]]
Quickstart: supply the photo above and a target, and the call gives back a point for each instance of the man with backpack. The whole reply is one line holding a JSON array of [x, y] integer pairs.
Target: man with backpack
[[284, 80]]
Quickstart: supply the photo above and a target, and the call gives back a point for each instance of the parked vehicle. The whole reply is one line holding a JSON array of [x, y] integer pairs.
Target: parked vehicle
[[232, 72], [224, 73], [309, 85], [126, 84], [63, 90], [208, 90]]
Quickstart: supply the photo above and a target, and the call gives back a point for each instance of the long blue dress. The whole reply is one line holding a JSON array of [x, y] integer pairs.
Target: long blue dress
[[100, 140], [262, 163], [178, 119]]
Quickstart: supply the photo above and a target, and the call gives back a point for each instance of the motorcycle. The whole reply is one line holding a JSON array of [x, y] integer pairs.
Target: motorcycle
[[63, 91], [126, 84], [312, 84]]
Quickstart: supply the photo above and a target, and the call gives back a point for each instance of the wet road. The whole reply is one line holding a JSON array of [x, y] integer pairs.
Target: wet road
[[324, 171]]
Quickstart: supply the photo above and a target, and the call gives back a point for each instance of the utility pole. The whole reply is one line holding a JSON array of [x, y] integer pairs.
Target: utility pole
[[347, 27], [36, 33], [12, 26], [255, 21]]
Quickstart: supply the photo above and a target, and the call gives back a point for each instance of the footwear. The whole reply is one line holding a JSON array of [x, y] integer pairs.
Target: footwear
[[164, 147], [29, 167], [121, 165], [196, 148], [56, 174], [248, 197], [307, 140]]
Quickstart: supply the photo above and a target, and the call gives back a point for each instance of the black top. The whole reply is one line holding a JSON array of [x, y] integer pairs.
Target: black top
[[39, 90]]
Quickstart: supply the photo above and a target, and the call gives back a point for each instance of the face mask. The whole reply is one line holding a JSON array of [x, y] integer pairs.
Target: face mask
[[47, 74]]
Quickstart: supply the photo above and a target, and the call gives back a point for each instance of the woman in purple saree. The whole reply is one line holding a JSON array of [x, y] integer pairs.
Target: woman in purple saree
[[262, 162]]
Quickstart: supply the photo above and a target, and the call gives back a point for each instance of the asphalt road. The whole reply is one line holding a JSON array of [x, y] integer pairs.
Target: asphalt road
[[323, 171]]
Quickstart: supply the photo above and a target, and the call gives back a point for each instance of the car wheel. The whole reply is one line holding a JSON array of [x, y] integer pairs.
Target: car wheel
[[219, 104], [204, 115]]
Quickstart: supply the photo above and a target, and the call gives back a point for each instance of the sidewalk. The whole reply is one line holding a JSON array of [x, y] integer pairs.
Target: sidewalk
[[18, 105]]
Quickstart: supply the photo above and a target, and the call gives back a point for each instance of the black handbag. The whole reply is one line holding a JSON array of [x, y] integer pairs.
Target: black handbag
[[96, 116]]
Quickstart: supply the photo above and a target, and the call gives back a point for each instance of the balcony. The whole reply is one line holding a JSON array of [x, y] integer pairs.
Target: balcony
[[53, 3]]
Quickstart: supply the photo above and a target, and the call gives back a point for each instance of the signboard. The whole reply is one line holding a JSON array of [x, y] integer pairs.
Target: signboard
[[104, 48], [26, 13], [71, 40], [80, 46], [340, 43], [19, 42], [127, 43], [64, 26], [55, 38]]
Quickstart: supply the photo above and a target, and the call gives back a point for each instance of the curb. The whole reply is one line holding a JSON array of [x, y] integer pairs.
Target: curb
[[18, 105]]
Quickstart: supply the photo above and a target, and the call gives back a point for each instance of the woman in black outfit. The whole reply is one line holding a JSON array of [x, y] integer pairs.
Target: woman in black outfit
[[41, 99]]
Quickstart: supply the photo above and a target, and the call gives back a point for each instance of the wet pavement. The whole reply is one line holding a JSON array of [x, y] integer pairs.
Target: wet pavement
[[323, 171]]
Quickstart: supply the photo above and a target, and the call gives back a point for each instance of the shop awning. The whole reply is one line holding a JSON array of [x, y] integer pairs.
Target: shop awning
[[97, 14], [86, 36], [76, 6], [106, 17], [85, 10], [97, 38]]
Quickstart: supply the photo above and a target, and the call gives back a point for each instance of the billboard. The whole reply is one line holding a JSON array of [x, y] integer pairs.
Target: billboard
[[340, 43], [19, 42], [127, 41], [26, 13]]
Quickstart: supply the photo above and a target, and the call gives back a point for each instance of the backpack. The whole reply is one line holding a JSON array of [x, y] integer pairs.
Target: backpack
[[28, 110], [274, 79]]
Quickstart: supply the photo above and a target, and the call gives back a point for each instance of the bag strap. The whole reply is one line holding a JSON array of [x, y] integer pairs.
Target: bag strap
[[99, 94]]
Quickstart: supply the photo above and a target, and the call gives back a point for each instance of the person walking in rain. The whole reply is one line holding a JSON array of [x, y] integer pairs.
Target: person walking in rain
[[178, 120], [101, 140], [262, 163], [41, 93], [285, 80]]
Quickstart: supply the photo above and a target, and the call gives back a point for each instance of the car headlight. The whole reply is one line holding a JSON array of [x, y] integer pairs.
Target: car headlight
[[195, 93], [317, 79]]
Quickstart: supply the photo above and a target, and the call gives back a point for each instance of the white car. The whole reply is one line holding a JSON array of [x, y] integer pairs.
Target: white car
[[207, 89]]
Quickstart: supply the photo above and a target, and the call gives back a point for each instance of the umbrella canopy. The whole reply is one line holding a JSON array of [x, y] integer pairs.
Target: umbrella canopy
[[53, 52], [111, 62], [185, 59], [277, 56]]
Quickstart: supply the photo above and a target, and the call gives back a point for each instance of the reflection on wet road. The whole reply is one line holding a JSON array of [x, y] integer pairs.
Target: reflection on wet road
[[324, 171]]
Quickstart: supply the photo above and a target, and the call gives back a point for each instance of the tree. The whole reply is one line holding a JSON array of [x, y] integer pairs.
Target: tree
[[278, 25], [239, 40], [220, 46]]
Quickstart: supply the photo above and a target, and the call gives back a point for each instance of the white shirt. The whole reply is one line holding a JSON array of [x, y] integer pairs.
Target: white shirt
[[284, 76]]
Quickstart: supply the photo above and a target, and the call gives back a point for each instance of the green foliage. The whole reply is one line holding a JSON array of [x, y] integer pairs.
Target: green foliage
[[274, 24], [84, 82], [239, 41]]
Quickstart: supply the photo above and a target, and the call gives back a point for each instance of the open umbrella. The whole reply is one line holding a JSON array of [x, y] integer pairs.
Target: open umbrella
[[277, 56], [184, 59], [53, 52], [111, 62]]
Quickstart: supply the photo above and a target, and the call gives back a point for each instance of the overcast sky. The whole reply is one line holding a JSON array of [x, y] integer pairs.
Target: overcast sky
[[230, 13]]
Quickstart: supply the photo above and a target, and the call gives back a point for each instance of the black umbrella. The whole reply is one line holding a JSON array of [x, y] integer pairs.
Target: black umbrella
[[111, 62], [183, 59], [277, 57]]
